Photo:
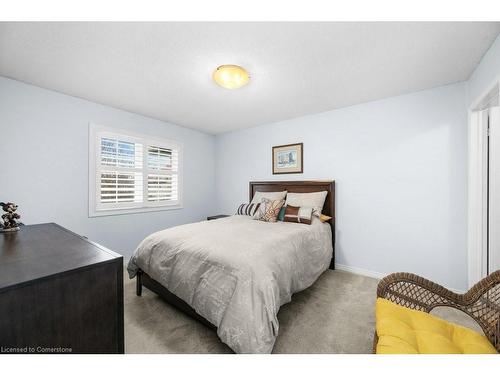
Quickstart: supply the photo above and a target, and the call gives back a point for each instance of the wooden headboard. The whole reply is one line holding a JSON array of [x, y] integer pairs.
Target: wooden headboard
[[303, 187]]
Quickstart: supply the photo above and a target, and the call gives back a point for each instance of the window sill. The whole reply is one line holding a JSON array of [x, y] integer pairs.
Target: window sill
[[127, 211]]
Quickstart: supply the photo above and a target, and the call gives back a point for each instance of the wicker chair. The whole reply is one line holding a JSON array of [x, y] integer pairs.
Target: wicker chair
[[481, 302]]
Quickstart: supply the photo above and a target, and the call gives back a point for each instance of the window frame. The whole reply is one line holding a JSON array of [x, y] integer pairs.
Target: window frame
[[96, 132]]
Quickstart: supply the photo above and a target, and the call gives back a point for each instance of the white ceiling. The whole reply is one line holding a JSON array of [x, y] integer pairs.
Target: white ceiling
[[163, 70]]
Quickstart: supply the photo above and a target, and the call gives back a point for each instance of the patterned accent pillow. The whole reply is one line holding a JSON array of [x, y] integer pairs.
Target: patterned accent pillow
[[300, 215], [248, 209], [269, 210]]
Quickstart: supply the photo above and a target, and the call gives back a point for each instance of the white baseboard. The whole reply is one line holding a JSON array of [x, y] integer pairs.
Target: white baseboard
[[374, 274], [359, 271]]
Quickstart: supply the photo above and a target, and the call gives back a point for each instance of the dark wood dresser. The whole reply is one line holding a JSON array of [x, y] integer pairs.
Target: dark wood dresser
[[59, 293]]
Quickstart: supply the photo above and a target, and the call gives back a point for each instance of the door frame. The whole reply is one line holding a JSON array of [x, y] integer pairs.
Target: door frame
[[477, 186]]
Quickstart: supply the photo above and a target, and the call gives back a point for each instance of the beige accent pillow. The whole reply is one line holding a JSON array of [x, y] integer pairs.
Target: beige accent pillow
[[314, 200], [271, 195]]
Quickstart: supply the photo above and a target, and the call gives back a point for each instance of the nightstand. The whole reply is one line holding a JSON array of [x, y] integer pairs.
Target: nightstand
[[216, 217]]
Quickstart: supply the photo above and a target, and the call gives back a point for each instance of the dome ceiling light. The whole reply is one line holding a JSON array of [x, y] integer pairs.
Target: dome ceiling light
[[231, 76]]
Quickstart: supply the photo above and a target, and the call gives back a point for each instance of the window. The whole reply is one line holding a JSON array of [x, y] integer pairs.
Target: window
[[132, 173]]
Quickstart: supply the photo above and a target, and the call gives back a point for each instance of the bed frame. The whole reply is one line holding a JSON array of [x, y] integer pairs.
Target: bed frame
[[143, 279]]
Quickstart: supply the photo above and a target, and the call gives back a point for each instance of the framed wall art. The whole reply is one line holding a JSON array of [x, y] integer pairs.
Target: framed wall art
[[288, 158]]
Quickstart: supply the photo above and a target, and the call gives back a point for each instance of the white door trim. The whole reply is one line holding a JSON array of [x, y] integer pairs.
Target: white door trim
[[477, 212], [477, 196], [494, 190]]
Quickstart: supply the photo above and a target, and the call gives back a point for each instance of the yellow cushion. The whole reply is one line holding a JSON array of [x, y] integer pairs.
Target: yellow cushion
[[404, 331]]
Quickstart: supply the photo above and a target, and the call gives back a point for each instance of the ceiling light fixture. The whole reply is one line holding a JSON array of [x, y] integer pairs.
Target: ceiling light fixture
[[231, 76]]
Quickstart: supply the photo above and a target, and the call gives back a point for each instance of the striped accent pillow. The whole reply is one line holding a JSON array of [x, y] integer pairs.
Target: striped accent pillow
[[248, 209], [301, 215]]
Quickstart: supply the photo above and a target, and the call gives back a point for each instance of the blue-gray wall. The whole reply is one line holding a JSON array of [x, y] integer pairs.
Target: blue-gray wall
[[44, 164], [400, 166]]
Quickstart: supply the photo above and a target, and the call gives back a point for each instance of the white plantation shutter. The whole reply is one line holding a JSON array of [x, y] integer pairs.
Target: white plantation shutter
[[120, 177], [162, 188], [120, 187], [133, 173], [162, 177]]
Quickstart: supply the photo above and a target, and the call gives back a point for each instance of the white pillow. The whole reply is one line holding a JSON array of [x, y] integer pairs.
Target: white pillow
[[271, 195], [314, 200]]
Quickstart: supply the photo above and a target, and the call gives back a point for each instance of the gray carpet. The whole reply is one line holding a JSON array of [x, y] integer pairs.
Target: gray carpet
[[335, 315]]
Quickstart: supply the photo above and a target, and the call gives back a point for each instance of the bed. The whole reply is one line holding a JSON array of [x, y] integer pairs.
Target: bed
[[233, 274]]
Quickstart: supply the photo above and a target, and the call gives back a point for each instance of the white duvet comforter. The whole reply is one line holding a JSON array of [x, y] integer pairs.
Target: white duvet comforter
[[236, 272]]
